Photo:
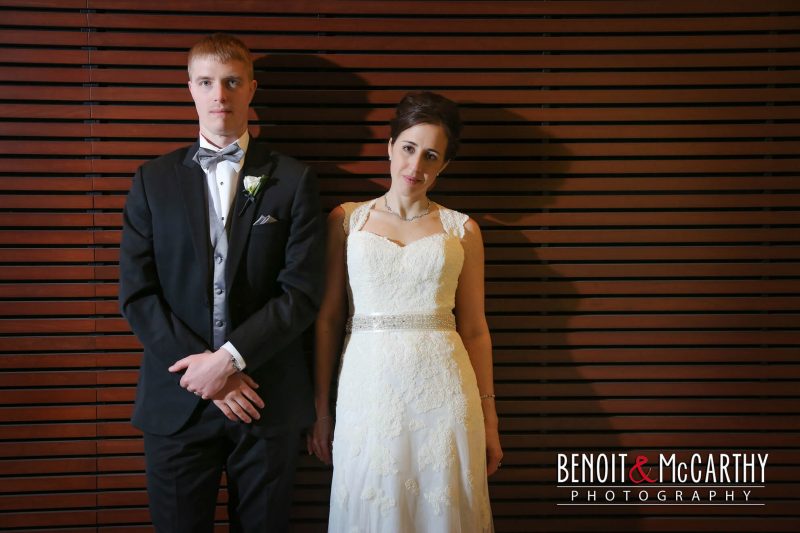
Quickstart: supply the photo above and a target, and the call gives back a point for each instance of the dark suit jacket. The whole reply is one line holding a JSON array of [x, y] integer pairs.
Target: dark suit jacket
[[273, 274]]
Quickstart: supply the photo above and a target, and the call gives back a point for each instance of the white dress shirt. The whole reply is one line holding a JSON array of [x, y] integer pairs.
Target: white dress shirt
[[222, 179]]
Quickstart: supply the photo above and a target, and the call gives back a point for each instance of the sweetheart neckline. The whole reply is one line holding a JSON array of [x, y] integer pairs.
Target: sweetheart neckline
[[397, 244]]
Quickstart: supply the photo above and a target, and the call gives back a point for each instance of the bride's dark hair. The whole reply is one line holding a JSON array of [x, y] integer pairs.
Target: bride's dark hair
[[428, 108]]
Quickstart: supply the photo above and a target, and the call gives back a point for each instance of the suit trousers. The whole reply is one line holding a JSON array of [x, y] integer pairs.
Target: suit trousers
[[184, 472]]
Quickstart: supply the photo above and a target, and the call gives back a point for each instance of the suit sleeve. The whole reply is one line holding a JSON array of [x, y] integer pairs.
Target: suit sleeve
[[283, 318], [141, 300]]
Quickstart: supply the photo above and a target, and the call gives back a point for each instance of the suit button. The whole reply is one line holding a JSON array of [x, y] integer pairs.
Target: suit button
[[220, 323], [218, 258], [219, 291]]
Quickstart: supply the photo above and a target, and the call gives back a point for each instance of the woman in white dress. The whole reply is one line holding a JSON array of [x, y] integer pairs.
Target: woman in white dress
[[416, 427]]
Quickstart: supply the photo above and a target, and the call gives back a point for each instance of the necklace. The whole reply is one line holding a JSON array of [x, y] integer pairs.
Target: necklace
[[389, 209]]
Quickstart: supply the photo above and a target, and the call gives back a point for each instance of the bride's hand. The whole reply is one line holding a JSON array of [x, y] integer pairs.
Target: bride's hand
[[494, 453], [319, 439]]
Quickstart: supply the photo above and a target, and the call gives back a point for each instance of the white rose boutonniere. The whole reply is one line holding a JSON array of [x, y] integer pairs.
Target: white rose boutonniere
[[252, 187]]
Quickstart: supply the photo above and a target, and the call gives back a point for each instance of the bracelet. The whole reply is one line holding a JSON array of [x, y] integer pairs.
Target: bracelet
[[487, 396]]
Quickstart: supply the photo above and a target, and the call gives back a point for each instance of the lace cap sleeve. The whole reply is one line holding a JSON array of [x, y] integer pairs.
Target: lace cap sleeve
[[453, 221], [355, 215], [348, 208]]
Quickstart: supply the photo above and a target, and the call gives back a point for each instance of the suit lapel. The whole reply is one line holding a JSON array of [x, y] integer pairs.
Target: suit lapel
[[192, 181], [258, 162]]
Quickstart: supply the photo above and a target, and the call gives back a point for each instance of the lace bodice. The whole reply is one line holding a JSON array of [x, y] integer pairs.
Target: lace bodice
[[419, 278]]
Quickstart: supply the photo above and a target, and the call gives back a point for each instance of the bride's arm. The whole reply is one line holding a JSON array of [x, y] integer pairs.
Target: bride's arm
[[474, 331], [329, 333]]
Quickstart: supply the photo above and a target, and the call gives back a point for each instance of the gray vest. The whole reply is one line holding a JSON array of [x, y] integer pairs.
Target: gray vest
[[219, 291]]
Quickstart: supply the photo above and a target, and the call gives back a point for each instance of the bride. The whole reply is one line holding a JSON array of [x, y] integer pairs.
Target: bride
[[416, 426]]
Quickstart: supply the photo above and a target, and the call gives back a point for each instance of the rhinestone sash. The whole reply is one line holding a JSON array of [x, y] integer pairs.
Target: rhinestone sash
[[377, 322]]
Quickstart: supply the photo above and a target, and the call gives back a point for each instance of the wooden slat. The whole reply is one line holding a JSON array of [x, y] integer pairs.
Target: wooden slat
[[46, 111], [53, 18], [607, 407], [565, 133], [47, 501], [20, 183], [46, 219], [503, 220], [567, 184], [304, 96], [399, 25], [46, 255], [641, 271], [23, 273], [27, 56], [537, 303], [645, 338], [50, 519], [70, 430], [617, 322], [435, 42], [23, 397], [643, 253], [45, 4], [505, 7], [690, 287], [649, 373], [54, 38], [47, 290], [45, 237], [334, 62], [652, 423], [44, 74], [378, 79]]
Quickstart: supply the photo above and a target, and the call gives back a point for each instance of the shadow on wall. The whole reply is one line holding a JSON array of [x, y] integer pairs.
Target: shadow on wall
[[547, 406], [314, 110], [506, 177]]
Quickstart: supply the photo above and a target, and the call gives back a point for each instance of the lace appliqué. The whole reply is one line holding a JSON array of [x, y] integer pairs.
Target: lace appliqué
[[439, 450], [415, 424], [379, 497], [382, 462], [438, 498]]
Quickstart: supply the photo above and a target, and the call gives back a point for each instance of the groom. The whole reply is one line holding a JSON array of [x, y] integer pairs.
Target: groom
[[220, 273]]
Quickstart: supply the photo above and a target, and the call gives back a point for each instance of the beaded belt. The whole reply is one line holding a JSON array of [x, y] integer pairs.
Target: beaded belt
[[444, 321]]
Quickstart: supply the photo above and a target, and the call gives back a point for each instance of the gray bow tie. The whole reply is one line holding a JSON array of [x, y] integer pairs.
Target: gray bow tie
[[206, 157]]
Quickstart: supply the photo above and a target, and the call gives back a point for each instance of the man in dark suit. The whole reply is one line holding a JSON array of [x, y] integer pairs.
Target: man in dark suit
[[220, 273]]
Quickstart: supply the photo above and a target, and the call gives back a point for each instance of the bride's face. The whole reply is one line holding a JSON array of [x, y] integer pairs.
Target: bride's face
[[417, 157]]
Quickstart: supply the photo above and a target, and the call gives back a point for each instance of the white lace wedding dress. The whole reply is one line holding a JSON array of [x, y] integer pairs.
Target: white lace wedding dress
[[409, 450]]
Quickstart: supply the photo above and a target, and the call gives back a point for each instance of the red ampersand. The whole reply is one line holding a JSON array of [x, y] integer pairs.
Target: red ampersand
[[641, 460]]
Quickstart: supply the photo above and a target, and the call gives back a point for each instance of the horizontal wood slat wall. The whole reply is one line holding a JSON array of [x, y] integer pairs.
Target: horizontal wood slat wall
[[633, 165]]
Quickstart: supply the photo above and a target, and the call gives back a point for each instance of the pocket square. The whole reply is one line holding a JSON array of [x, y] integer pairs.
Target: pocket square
[[265, 219]]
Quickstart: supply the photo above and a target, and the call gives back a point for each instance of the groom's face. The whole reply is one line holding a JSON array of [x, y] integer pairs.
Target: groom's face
[[222, 93]]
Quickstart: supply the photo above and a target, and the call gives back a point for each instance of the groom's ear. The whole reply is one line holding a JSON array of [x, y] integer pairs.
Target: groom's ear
[[253, 87]]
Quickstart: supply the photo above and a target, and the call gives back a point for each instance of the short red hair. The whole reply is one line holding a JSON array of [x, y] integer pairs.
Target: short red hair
[[222, 47]]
